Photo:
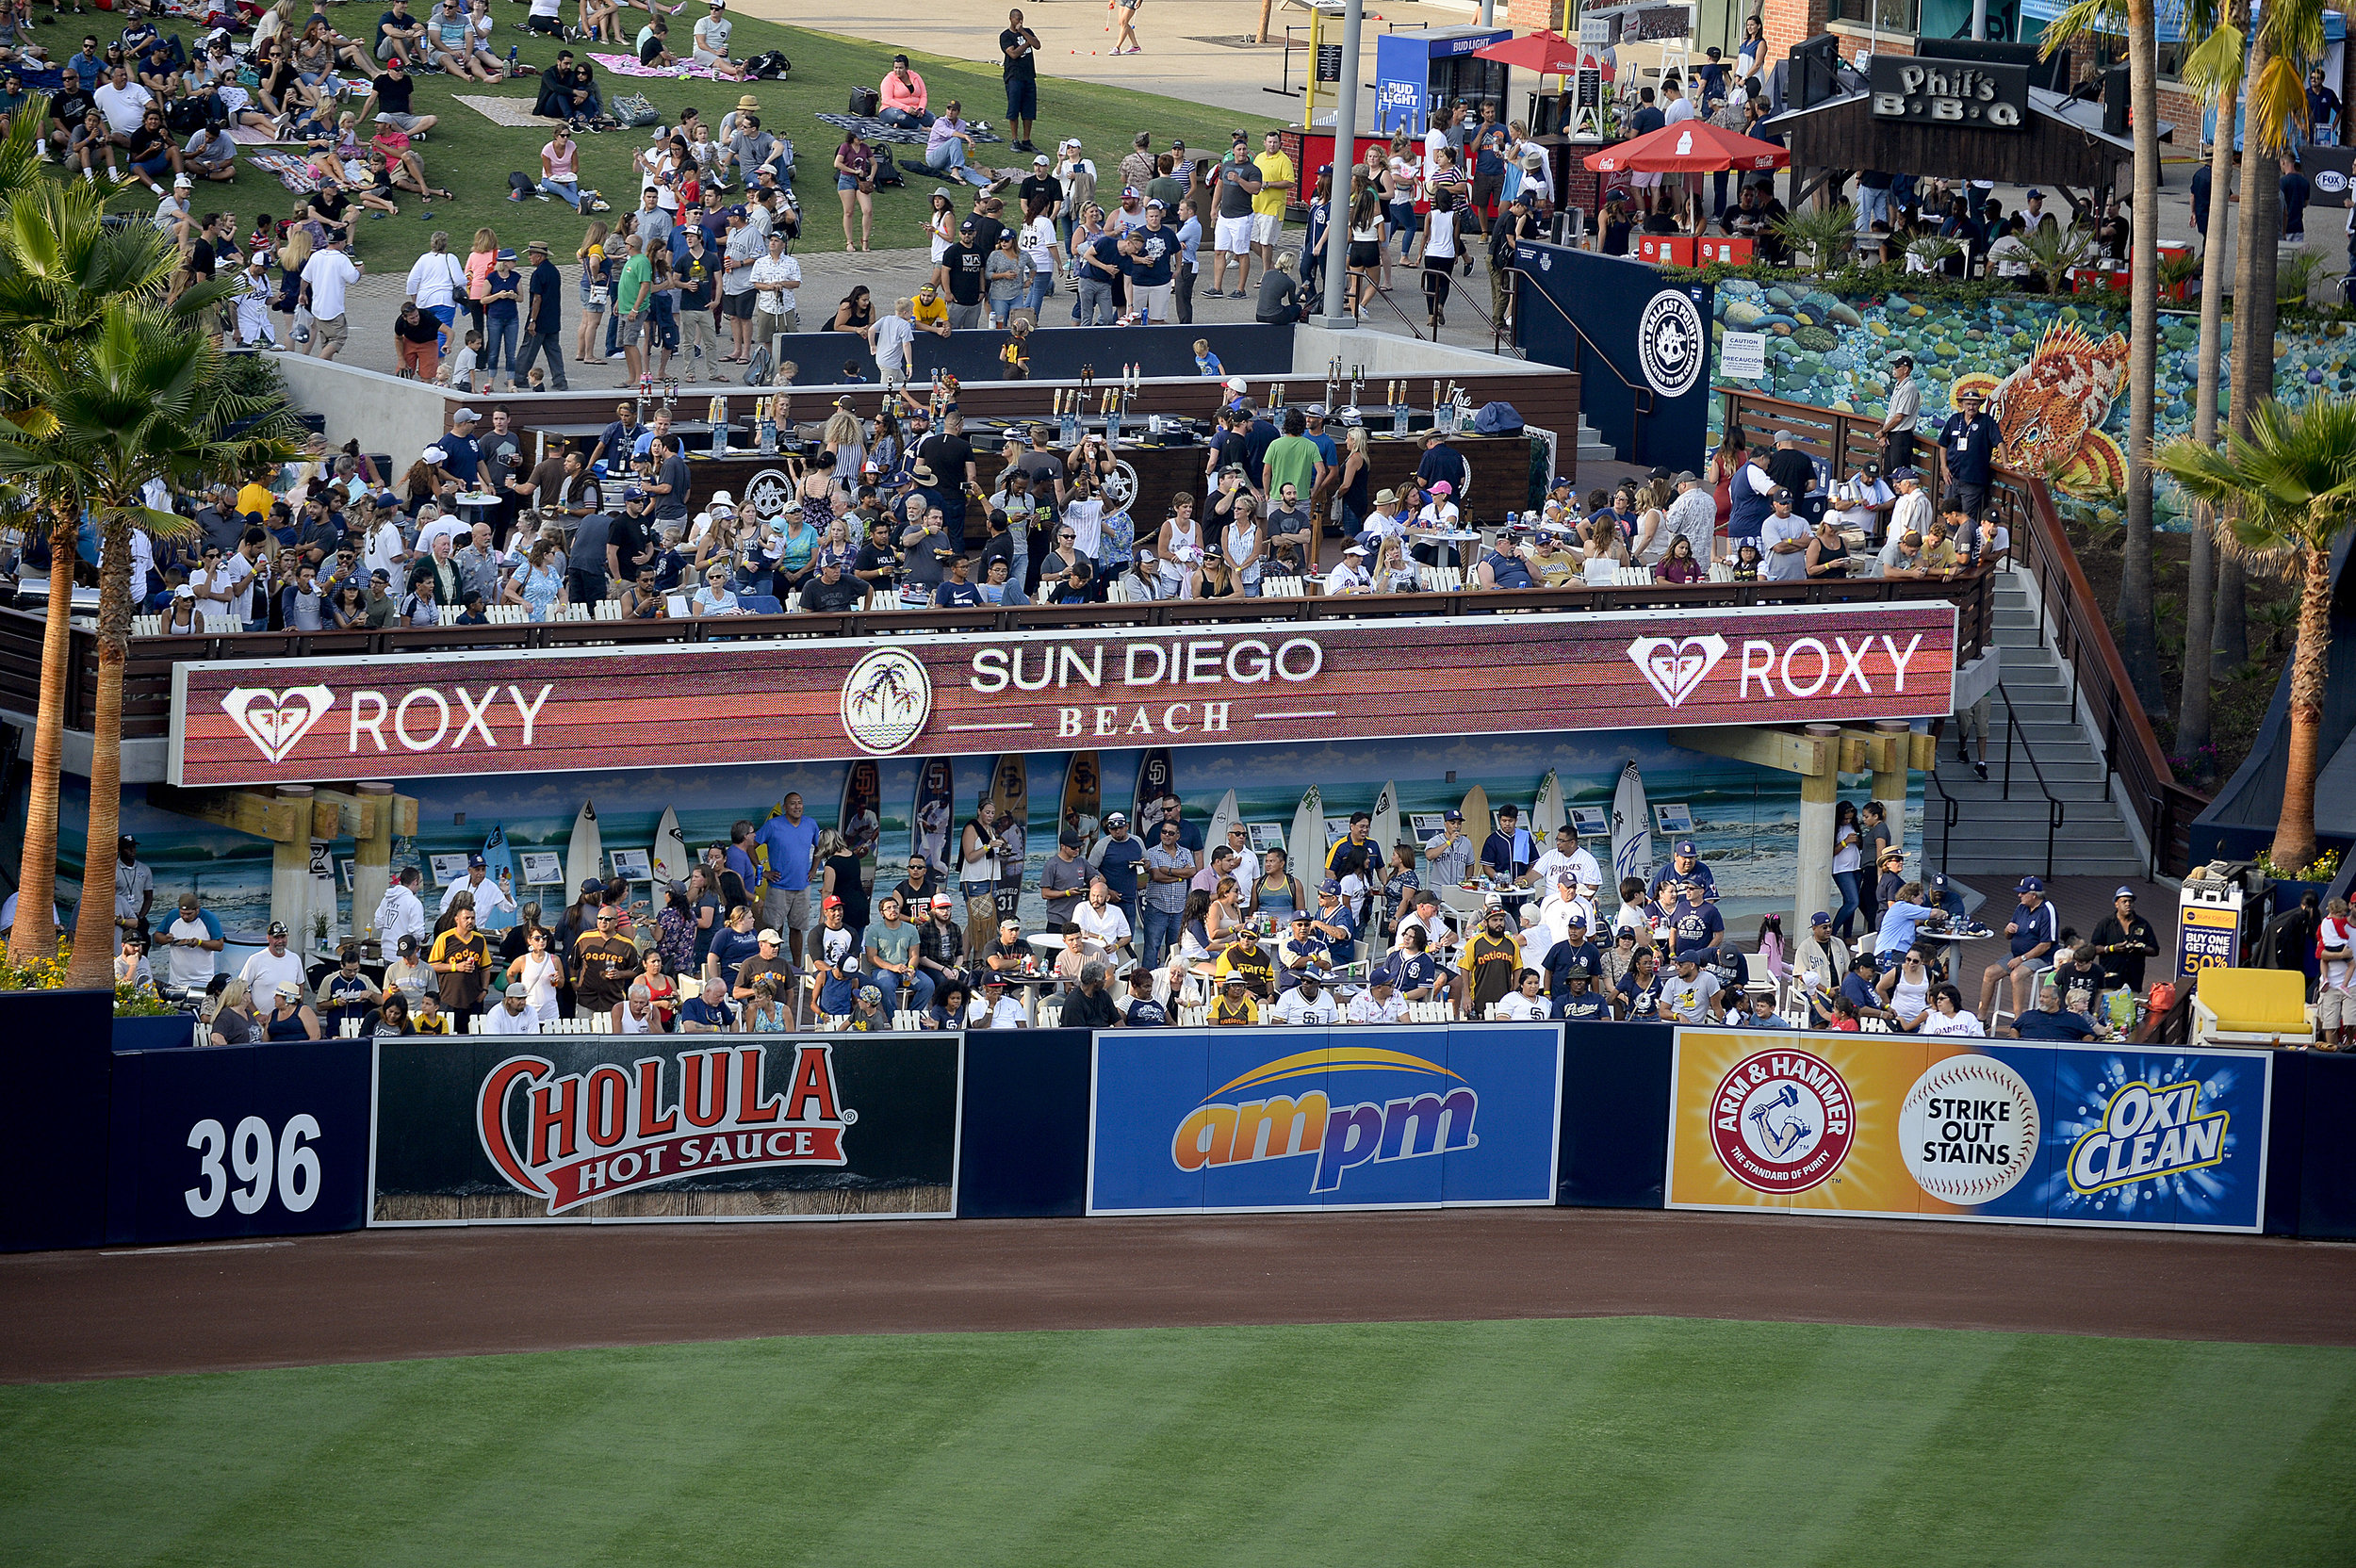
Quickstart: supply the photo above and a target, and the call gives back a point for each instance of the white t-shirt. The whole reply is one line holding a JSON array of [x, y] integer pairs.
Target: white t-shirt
[[191, 968], [126, 108], [264, 973], [501, 1021], [1363, 1008], [1937, 1023], [2339, 934], [384, 552], [893, 335], [1789, 566], [1524, 1010], [1856, 498], [329, 273], [437, 277], [1294, 1007], [1087, 521]]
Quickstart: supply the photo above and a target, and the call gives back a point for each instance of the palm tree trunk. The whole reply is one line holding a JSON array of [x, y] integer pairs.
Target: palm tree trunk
[[35, 935], [2138, 640], [2193, 726], [94, 939], [2295, 830], [2254, 349]]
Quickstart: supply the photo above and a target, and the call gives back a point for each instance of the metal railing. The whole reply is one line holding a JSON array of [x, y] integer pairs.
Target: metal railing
[[1640, 398], [2053, 804]]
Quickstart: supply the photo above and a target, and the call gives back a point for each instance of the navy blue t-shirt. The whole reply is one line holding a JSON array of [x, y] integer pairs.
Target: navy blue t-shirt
[[1585, 1006], [1119, 864], [1151, 269], [1146, 1013], [461, 456], [2038, 1024], [1106, 249]]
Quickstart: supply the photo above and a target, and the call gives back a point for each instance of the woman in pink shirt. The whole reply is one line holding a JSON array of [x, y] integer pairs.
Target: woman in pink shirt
[[903, 94]]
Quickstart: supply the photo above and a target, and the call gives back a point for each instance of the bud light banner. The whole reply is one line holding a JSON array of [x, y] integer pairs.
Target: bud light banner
[[1948, 1128], [1221, 1121], [510, 1129]]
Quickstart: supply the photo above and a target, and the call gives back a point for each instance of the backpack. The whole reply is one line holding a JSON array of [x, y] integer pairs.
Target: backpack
[[1497, 419], [633, 109], [757, 369], [768, 65]]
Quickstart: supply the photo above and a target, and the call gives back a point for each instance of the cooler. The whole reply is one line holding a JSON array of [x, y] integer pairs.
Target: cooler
[[1417, 72], [1665, 249], [1730, 250]]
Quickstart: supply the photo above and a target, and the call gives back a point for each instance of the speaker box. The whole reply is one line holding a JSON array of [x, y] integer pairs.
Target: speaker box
[[2115, 100], [1814, 73]]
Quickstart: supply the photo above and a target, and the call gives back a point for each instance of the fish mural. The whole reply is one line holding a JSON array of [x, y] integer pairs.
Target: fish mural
[[2051, 409]]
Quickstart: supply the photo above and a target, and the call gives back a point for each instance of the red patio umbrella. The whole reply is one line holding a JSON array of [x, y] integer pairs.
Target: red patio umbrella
[[1689, 147], [1548, 54]]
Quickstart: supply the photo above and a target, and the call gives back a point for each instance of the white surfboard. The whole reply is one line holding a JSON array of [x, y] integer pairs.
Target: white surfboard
[[1548, 817], [1305, 848], [1385, 833], [1223, 816], [1632, 828], [584, 856], [669, 856]]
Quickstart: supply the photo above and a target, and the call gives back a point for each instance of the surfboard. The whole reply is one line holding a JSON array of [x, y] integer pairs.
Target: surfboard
[[1479, 824], [499, 867], [934, 812], [1157, 776], [1083, 797], [1631, 828], [1305, 848], [860, 816], [1550, 814], [1384, 834], [1223, 816], [584, 856], [1010, 791], [669, 858]]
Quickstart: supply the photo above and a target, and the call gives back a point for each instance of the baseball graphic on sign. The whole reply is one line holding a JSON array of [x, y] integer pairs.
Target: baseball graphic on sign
[[1969, 1129], [886, 699]]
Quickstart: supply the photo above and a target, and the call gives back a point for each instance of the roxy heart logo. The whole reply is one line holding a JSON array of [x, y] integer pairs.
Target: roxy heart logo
[[1677, 666], [275, 721]]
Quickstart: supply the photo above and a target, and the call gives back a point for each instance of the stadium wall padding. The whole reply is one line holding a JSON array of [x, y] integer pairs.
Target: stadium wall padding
[[105, 1147], [56, 1049], [1615, 1115], [1245, 349], [1024, 1146]]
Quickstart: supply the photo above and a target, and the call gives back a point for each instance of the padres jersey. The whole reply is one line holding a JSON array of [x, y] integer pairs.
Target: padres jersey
[[1489, 964]]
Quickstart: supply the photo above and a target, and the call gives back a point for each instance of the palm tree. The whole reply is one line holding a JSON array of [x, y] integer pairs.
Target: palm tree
[[2138, 637], [2288, 34], [1824, 232], [2213, 72], [139, 396], [60, 265], [2289, 488]]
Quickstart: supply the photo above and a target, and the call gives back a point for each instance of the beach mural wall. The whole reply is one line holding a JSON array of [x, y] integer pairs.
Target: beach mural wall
[[2053, 366], [1745, 819]]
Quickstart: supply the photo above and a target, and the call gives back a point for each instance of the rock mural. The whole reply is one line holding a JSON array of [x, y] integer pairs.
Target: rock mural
[[2055, 368]]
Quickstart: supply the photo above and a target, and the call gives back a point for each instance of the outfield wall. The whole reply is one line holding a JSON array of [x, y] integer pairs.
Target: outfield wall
[[115, 1139]]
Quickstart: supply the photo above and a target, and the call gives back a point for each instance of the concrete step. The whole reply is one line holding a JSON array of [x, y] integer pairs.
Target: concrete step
[[1957, 778], [2015, 618]]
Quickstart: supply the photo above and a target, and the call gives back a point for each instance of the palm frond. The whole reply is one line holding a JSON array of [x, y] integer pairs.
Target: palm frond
[[2276, 104], [2084, 16], [2286, 488], [2211, 72]]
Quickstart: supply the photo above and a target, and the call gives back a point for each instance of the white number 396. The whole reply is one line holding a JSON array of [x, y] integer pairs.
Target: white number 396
[[296, 1169]]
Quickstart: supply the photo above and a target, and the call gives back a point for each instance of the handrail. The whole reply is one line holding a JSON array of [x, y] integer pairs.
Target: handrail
[[2053, 804], [2131, 750], [1409, 321], [1951, 813], [1638, 391]]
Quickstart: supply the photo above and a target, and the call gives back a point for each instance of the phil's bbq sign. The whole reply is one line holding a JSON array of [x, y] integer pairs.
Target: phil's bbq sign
[[413, 716]]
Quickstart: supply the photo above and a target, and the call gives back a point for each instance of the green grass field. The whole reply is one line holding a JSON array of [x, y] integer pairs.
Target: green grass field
[[1588, 1441], [472, 157]]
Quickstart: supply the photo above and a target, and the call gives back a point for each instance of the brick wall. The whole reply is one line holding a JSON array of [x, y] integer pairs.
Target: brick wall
[[1530, 16], [1790, 21]]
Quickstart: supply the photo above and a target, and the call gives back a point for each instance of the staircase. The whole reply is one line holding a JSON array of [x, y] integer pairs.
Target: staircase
[[1593, 447], [1999, 839]]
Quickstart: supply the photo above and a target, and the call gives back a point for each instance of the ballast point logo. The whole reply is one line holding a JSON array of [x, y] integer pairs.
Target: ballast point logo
[[611, 1130], [2148, 1131], [1781, 1121], [1238, 1123]]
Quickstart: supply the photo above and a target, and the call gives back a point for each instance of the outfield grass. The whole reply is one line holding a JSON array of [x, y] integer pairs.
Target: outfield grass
[[1594, 1440], [472, 157]]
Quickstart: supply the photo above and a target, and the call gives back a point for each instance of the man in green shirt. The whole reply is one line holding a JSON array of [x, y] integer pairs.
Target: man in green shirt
[[892, 966], [631, 299], [1292, 459]]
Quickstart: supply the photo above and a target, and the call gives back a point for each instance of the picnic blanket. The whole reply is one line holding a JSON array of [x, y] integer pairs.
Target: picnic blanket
[[297, 175], [872, 129], [626, 65], [515, 113]]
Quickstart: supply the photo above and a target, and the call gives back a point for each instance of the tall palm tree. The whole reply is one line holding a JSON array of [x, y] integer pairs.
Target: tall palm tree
[[2213, 72], [2289, 489], [59, 266], [2289, 35], [140, 395], [2138, 637]]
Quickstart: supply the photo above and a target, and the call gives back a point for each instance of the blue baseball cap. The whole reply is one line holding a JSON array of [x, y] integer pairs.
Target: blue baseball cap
[[1329, 886], [1451, 814], [1939, 881], [590, 885], [2028, 885], [1822, 917], [2123, 891], [473, 860], [1685, 846], [1575, 918]]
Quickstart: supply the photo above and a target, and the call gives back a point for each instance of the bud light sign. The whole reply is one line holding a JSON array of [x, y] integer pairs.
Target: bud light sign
[[1219, 1121]]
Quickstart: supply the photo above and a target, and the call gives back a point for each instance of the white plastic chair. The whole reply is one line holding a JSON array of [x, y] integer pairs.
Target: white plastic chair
[[1721, 571], [1193, 1017], [679, 605], [1049, 1014], [1279, 587], [147, 626], [905, 1019], [221, 625]]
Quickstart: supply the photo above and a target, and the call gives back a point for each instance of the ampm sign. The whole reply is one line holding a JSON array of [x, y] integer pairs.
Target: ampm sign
[[1184, 1122]]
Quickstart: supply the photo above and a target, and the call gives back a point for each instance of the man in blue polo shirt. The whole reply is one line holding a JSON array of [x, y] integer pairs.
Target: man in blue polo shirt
[[2050, 1021], [2032, 933], [791, 839], [1574, 956]]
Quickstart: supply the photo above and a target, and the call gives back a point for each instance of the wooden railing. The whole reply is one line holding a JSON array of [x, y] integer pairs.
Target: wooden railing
[[147, 674], [2082, 634]]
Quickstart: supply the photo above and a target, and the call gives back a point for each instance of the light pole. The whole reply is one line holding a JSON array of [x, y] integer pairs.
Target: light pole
[[1338, 317]]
